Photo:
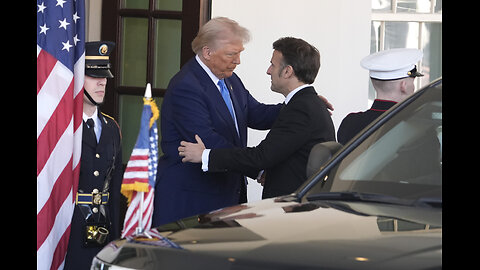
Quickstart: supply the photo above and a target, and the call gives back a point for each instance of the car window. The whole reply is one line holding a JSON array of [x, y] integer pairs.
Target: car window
[[402, 158]]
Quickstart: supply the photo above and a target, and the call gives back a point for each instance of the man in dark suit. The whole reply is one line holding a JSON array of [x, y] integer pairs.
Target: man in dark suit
[[392, 73], [193, 104], [95, 220], [303, 122]]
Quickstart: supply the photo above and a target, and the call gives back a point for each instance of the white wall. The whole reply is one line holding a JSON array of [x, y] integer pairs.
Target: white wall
[[340, 29], [93, 23]]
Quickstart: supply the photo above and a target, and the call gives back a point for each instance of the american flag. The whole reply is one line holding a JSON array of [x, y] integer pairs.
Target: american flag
[[141, 171], [60, 77]]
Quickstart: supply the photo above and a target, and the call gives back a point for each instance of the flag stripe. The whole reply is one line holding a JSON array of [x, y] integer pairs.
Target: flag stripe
[[131, 217], [52, 92], [58, 195], [61, 250], [136, 179], [45, 64], [55, 128], [54, 166], [135, 170], [62, 222]]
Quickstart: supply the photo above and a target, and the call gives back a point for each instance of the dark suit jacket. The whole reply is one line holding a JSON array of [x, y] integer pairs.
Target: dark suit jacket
[[353, 123], [193, 105], [96, 157], [301, 124]]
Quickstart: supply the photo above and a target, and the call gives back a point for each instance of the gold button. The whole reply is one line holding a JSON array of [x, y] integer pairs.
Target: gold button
[[97, 155], [95, 190], [95, 210], [96, 173]]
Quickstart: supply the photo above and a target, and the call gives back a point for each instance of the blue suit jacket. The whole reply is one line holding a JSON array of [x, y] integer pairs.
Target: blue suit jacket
[[193, 105]]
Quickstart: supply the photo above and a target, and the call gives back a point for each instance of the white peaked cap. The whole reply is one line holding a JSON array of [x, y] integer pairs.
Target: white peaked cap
[[393, 64]]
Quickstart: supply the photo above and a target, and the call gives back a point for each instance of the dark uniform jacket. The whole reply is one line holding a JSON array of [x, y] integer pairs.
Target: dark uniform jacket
[[95, 161], [301, 124], [353, 123]]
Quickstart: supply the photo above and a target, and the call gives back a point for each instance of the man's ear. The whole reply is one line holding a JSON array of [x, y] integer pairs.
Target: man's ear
[[206, 52], [403, 86], [288, 71]]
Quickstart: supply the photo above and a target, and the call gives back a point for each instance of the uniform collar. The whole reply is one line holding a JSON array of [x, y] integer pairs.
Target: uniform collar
[[94, 116], [382, 105]]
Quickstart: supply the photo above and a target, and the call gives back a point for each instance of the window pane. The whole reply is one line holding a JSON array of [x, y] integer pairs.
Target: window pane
[[375, 36], [374, 47], [401, 35], [130, 111], [137, 4], [174, 5], [413, 6], [133, 68], [167, 51], [438, 6], [432, 52], [381, 5]]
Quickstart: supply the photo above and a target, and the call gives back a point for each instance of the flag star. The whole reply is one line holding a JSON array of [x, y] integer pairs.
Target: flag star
[[60, 3], [63, 23], [43, 29], [41, 7], [75, 17], [66, 46], [75, 40]]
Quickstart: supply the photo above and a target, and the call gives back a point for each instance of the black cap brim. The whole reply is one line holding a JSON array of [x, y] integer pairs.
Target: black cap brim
[[99, 73]]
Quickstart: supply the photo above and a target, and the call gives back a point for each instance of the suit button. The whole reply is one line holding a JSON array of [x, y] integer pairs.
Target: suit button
[[97, 155], [96, 173]]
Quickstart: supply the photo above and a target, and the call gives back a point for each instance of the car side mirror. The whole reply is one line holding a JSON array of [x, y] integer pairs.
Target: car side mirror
[[320, 154]]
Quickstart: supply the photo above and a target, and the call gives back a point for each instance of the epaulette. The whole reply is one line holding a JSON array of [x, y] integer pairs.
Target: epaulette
[[113, 119]]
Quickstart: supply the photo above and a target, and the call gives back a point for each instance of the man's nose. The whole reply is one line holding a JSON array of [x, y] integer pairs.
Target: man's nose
[[236, 60]]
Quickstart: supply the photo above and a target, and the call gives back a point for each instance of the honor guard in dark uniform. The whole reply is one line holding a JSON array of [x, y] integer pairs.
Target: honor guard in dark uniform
[[392, 73], [95, 219]]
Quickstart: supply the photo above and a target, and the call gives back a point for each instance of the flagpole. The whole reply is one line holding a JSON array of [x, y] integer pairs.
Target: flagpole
[[139, 229]]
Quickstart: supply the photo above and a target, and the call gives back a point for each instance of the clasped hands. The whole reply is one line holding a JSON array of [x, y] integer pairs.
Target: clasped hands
[[192, 152]]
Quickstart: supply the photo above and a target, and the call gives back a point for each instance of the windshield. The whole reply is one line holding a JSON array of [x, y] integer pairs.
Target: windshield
[[402, 158]]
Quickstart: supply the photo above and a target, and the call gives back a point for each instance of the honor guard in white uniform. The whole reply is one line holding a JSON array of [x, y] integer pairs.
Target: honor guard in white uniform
[[392, 73], [95, 219]]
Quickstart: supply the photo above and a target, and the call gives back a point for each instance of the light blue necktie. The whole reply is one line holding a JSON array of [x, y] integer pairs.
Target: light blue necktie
[[226, 97]]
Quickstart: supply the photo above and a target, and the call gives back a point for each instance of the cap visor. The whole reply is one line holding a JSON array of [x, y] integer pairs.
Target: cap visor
[[99, 73]]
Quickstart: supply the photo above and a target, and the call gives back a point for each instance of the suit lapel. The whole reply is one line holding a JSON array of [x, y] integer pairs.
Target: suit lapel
[[213, 93]]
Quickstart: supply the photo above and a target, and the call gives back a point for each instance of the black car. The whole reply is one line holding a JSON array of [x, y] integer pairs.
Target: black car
[[375, 203]]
